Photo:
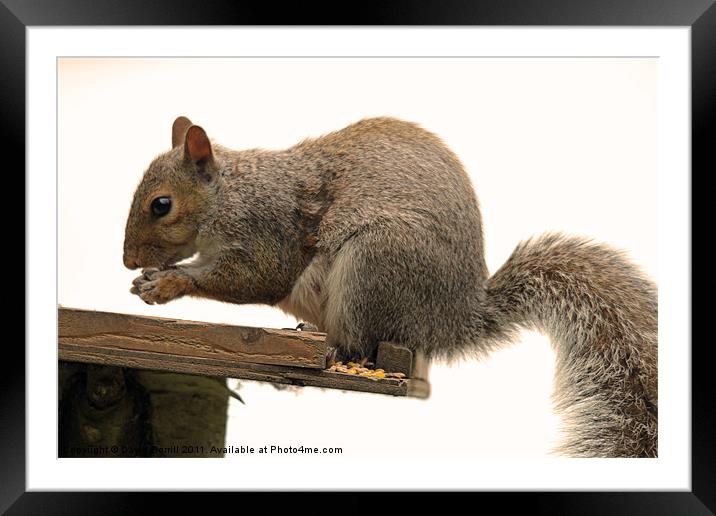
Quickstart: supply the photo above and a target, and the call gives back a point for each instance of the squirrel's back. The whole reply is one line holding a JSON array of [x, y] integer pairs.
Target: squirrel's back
[[384, 168]]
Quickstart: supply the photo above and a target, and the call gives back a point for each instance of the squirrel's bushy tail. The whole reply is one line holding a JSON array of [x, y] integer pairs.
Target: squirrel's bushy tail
[[600, 312]]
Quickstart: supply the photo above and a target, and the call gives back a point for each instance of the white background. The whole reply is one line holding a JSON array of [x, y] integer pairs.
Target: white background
[[551, 144]]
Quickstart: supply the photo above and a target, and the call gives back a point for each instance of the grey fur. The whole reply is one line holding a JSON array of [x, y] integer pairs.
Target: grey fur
[[374, 233]]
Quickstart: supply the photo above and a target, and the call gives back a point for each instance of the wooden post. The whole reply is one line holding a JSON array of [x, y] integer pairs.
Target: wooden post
[[107, 411]]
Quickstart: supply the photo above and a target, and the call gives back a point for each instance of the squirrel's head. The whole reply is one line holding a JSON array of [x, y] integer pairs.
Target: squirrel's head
[[170, 200]]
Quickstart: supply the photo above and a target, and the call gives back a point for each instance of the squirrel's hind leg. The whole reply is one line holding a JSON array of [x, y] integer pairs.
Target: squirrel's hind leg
[[418, 289], [368, 299], [351, 334]]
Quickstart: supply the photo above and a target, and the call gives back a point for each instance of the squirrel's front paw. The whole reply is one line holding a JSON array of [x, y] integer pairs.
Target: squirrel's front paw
[[156, 286]]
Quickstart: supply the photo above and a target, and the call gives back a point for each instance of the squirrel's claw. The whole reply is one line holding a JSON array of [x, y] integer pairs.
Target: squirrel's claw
[[140, 287], [304, 326], [156, 286], [148, 272], [331, 356]]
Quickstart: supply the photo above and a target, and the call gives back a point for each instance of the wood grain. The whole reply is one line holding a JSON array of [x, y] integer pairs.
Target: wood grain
[[240, 344], [303, 377], [394, 358], [399, 359], [260, 354]]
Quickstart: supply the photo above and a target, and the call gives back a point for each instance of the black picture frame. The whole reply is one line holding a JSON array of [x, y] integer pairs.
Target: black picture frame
[[699, 15]]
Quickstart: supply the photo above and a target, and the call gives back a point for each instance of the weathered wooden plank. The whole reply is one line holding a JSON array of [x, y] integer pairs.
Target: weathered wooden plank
[[399, 359], [278, 356], [232, 344], [394, 358], [140, 359]]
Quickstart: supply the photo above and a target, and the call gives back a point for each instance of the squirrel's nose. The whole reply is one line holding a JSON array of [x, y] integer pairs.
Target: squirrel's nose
[[130, 262]]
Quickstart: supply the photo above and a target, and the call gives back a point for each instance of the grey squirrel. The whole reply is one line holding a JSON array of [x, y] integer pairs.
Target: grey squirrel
[[373, 233]]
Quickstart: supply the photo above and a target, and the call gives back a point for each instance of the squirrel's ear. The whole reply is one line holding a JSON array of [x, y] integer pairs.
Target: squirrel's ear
[[179, 128], [197, 147]]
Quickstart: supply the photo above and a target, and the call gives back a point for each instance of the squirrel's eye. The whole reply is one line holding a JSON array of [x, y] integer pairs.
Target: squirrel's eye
[[161, 206]]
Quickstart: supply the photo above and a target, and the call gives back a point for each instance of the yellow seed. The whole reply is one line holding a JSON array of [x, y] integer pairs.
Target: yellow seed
[[379, 374], [352, 370]]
